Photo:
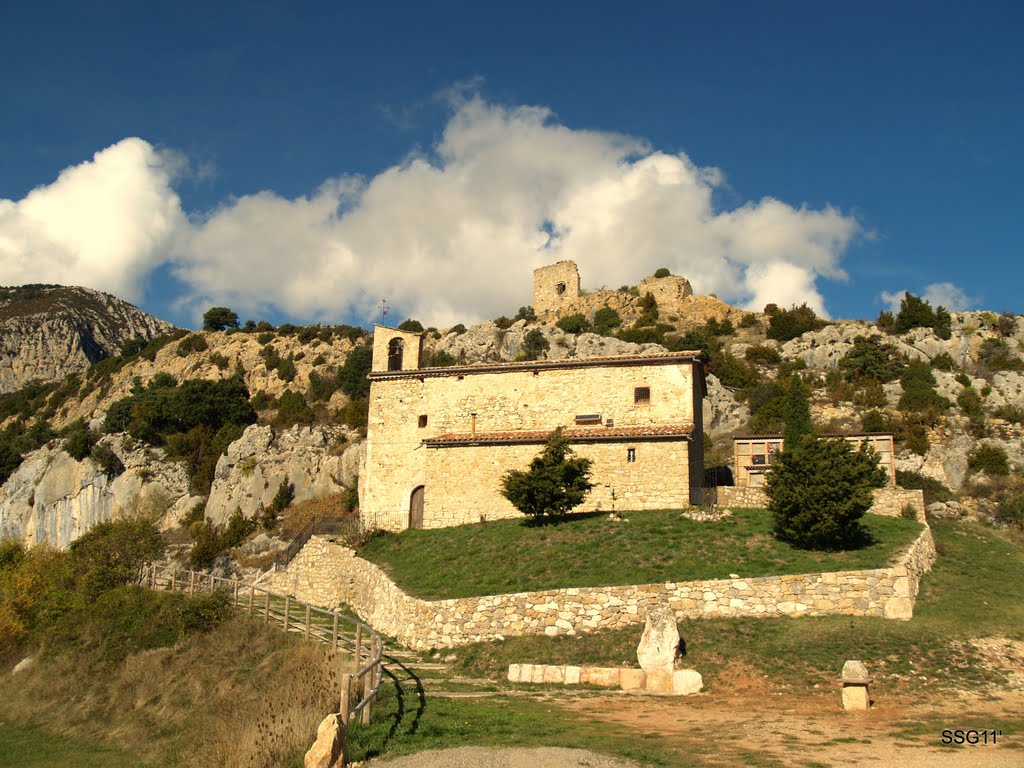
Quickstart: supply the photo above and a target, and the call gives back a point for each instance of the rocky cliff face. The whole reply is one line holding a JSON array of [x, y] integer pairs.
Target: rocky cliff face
[[48, 332]]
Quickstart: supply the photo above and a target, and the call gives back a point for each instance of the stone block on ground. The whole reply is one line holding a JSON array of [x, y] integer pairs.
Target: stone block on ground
[[329, 746], [856, 698], [686, 682], [513, 672], [572, 675], [606, 676], [632, 679], [659, 643]]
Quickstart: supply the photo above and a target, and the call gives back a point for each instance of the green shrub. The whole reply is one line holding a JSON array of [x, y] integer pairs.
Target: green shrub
[[886, 323], [503, 322], [287, 329], [716, 327], [194, 343], [111, 554], [1011, 413], [442, 359], [762, 354], [271, 357], [308, 334], [108, 461], [606, 319], [219, 360], [989, 458], [526, 313], [261, 401], [556, 482], [78, 439], [919, 395], [970, 402], [915, 438], [786, 324], [265, 338], [642, 335], [1011, 510], [871, 394], [874, 421], [574, 324], [871, 358], [286, 369], [219, 318], [648, 311], [732, 371], [322, 387], [918, 313], [409, 324], [662, 272], [458, 329], [943, 362], [933, 489], [356, 413], [748, 320], [995, 355], [352, 375], [284, 496], [292, 409], [908, 512], [535, 344], [818, 491]]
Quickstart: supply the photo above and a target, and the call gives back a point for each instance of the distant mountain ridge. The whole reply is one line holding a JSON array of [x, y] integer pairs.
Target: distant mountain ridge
[[50, 331]]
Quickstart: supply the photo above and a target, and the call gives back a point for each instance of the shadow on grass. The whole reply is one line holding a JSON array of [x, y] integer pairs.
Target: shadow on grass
[[547, 520]]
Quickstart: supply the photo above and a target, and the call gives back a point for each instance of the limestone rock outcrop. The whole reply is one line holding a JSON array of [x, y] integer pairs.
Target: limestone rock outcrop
[[318, 461], [50, 331], [53, 499], [659, 646]]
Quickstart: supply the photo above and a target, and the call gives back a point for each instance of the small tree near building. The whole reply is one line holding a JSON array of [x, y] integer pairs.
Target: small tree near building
[[819, 489], [556, 482]]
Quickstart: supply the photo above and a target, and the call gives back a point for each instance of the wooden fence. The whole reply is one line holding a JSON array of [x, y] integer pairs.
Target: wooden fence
[[341, 633]]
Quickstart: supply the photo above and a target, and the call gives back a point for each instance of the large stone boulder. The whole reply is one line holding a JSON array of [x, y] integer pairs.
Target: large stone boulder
[[329, 747], [659, 647]]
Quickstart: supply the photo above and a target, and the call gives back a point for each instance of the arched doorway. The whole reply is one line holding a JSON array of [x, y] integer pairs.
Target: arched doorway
[[416, 507]]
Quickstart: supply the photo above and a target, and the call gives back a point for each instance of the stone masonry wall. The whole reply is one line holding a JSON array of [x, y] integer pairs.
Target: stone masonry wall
[[509, 400], [463, 483], [888, 501], [327, 574]]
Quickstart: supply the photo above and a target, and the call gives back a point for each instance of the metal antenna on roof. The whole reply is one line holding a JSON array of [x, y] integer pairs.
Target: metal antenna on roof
[[383, 309]]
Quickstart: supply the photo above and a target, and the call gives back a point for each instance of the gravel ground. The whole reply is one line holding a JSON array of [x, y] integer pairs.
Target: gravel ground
[[484, 757]]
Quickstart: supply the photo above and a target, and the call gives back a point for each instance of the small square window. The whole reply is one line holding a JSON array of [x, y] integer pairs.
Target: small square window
[[423, 421], [642, 395], [631, 454]]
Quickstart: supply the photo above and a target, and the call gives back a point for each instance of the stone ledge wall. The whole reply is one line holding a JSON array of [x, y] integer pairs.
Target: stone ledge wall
[[888, 501], [327, 574]]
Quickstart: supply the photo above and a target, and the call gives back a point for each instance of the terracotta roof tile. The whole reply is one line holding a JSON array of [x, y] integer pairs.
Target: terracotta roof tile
[[592, 433]]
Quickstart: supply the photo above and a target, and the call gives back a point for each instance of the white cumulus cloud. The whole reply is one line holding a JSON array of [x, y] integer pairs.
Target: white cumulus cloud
[[450, 235], [104, 223]]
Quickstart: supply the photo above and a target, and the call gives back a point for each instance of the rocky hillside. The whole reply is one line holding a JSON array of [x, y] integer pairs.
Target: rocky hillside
[[167, 430], [50, 331]]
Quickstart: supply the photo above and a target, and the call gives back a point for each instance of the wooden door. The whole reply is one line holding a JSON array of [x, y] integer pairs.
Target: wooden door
[[416, 508]]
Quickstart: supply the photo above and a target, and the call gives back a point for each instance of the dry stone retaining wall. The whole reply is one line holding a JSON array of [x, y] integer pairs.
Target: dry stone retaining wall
[[327, 574], [888, 501]]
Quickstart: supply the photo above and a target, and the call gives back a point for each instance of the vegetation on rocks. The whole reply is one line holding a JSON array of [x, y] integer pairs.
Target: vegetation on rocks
[[556, 482]]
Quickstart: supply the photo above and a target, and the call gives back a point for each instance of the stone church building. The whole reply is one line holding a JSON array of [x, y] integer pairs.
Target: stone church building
[[439, 440]]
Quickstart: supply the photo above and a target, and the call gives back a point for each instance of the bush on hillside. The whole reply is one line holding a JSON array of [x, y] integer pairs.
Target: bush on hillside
[[292, 409], [661, 272], [990, 459], [818, 490], [190, 344], [918, 313], [871, 358], [786, 324], [414, 326], [919, 395], [352, 375], [933, 489], [574, 324], [762, 354], [219, 318], [534, 345]]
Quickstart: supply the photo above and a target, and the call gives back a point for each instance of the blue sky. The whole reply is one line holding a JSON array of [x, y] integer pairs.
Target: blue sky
[[297, 162]]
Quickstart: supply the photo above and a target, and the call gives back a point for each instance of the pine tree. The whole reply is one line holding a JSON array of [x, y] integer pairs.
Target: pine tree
[[556, 482]]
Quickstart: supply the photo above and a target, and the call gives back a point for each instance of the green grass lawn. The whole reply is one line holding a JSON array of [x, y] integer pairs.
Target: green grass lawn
[[25, 746], [975, 589], [592, 551]]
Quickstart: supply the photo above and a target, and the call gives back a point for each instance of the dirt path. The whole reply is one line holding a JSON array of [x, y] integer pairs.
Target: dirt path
[[776, 730]]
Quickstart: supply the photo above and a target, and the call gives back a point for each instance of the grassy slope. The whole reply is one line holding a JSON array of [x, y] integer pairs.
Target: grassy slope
[[590, 551], [976, 589]]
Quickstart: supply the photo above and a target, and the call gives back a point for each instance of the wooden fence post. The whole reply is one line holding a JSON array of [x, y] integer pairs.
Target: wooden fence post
[[235, 588], [191, 583], [346, 684], [173, 574], [307, 620], [334, 634], [359, 646], [266, 618], [252, 596], [287, 610]]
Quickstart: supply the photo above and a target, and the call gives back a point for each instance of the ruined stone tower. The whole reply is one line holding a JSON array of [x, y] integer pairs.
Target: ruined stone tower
[[555, 288]]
